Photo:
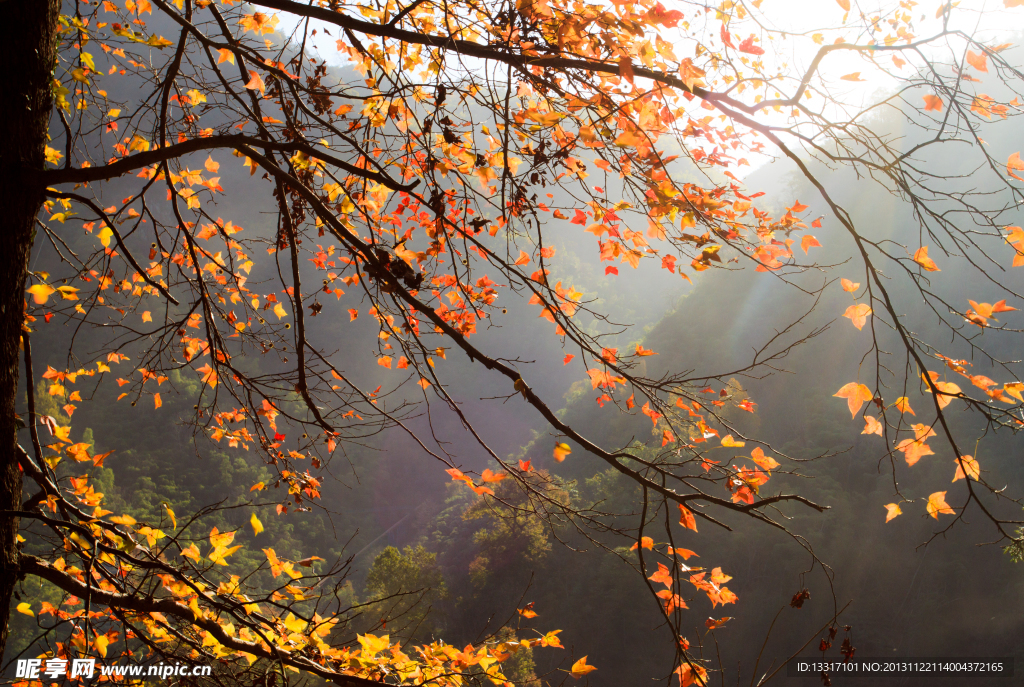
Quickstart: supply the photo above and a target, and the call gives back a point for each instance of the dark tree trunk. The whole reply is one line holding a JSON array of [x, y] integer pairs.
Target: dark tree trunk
[[27, 53]]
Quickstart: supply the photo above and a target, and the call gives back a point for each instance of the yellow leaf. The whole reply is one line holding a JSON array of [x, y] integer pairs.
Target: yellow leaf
[[170, 513], [561, 451], [280, 311], [123, 520], [257, 526], [373, 645], [101, 643], [41, 292], [104, 236], [53, 155], [218, 555], [147, 316], [729, 442], [26, 608]]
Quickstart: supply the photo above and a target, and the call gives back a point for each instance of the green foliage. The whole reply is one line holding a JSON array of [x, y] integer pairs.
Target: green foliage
[[405, 587], [513, 532]]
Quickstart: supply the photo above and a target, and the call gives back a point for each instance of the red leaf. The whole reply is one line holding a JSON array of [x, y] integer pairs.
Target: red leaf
[[748, 46]]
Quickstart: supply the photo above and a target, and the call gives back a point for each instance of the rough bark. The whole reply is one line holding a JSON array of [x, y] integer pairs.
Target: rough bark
[[27, 53]]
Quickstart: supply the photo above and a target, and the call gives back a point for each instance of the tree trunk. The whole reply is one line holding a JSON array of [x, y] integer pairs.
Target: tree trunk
[[27, 52]]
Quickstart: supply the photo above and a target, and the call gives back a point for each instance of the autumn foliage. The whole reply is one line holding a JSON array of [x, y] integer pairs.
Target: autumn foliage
[[417, 166]]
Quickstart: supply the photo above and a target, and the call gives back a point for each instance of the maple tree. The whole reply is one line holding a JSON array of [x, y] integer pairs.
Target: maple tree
[[411, 188]]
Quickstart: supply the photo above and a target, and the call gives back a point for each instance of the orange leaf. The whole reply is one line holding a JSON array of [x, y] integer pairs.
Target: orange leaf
[[892, 510], [458, 475], [626, 68], [932, 102], [561, 451], [968, 467], [947, 390], [845, 4], [858, 314], [854, 76], [903, 405], [256, 82], [1001, 306], [808, 242], [1014, 163], [871, 426], [937, 504], [711, 623], [209, 375], [914, 449], [646, 542], [849, 286], [765, 462], [922, 259], [856, 395], [580, 668], [686, 518], [692, 673], [663, 576], [979, 62], [489, 476]]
